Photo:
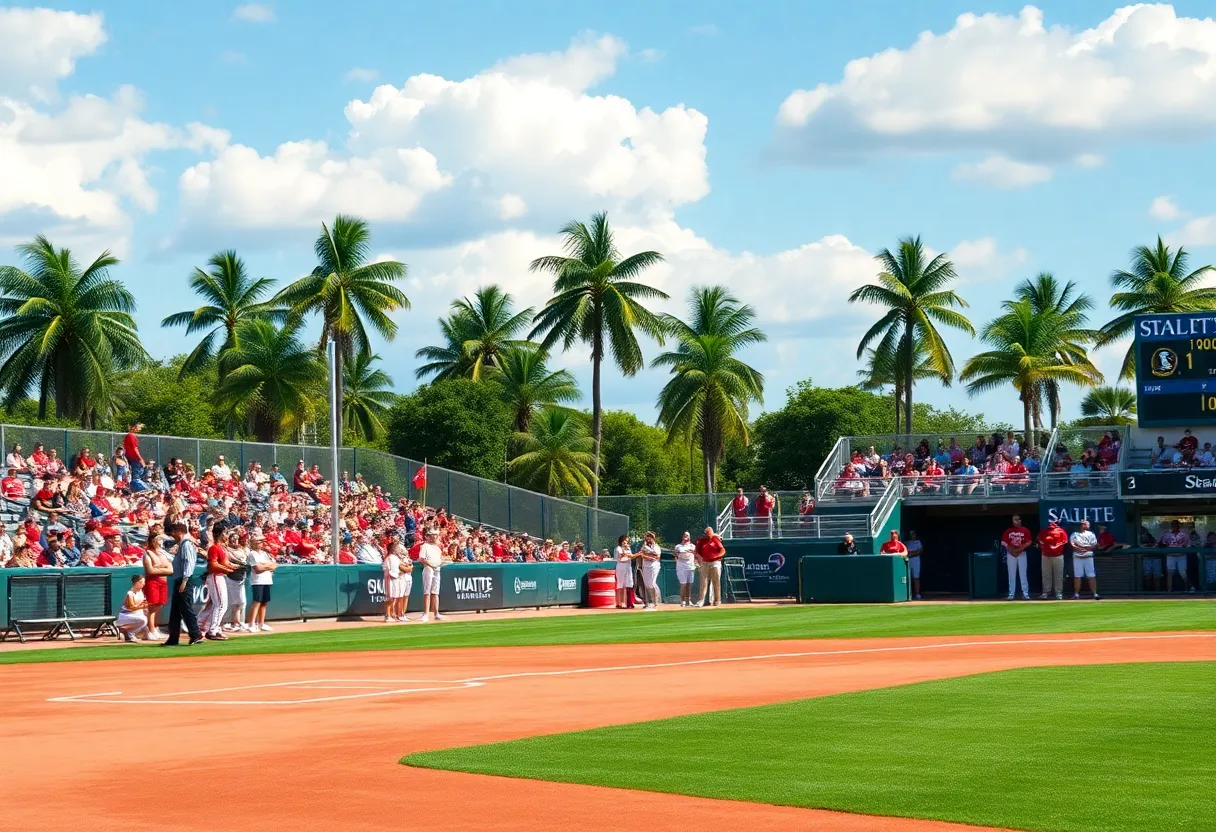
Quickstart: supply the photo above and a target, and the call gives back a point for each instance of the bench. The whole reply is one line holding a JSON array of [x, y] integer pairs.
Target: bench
[[55, 602]]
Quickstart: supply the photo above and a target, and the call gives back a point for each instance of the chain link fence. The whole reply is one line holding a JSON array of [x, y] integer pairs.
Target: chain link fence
[[472, 498]]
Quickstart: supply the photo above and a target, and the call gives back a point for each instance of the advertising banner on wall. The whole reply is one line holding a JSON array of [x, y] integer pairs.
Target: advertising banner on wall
[[1070, 513], [1193, 483], [471, 588]]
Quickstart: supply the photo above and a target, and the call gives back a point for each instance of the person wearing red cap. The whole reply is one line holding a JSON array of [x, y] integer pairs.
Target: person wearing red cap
[[1052, 541]]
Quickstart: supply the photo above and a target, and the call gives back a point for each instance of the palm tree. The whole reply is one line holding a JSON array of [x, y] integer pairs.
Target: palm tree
[[597, 301], [1025, 353], [348, 291], [1110, 406], [365, 395], [884, 368], [449, 361], [916, 292], [1047, 295], [478, 332], [710, 389], [527, 383], [554, 454], [65, 331], [269, 377], [230, 296], [1157, 283]]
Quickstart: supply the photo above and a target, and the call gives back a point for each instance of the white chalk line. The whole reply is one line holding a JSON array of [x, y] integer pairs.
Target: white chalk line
[[813, 653], [373, 688], [479, 681]]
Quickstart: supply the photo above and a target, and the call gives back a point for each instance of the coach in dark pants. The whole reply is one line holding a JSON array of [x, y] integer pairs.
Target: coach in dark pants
[[184, 562]]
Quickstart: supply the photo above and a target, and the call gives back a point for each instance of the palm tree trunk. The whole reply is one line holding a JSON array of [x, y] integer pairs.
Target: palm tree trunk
[[908, 372], [596, 427], [899, 394], [1028, 419], [42, 395]]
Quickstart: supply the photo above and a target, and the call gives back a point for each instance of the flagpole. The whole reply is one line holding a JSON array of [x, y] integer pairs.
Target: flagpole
[[426, 477]]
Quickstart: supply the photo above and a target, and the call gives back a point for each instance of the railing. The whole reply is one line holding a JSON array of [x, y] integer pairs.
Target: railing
[[854, 488], [831, 467], [476, 499], [1089, 484], [970, 487], [882, 510], [808, 526]]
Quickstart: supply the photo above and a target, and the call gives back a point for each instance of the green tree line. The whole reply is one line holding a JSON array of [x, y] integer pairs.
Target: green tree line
[[492, 402]]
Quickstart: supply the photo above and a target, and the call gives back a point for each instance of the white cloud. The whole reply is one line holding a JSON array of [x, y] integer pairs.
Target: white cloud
[[982, 260], [650, 56], [254, 13], [1002, 172], [1012, 87], [40, 46], [362, 75], [705, 30], [1164, 208], [75, 172], [1200, 231], [527, 129]]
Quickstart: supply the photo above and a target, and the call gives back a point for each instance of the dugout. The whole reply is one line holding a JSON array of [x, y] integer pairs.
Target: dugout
[[952, 533]]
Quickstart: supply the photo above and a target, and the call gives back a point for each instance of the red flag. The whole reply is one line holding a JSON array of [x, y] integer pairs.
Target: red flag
[[420, 478]]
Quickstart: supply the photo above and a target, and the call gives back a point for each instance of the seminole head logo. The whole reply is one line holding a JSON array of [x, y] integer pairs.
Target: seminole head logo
[[1164, 362], [776, 560]]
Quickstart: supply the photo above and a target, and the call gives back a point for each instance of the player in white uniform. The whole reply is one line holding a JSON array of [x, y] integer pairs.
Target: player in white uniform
[[686, 568], [397, 583], [1083, 542], [624, 573], [650, 555], [432, 558], [133, 617]]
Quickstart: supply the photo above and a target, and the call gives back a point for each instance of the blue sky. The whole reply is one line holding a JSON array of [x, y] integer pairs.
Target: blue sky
[[773, 148]]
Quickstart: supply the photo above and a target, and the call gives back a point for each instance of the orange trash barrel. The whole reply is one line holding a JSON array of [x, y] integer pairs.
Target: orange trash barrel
[[601, 588]]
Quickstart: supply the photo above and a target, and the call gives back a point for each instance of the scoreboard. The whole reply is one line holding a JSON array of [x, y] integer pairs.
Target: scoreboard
[[1176, 369]]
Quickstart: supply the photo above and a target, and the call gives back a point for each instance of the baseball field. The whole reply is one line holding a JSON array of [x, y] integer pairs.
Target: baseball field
[[1068, 716]]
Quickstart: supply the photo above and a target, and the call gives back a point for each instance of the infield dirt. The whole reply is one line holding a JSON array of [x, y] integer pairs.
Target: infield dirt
[[138, 758]]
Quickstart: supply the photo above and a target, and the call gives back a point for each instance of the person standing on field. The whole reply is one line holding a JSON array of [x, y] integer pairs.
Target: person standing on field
[[218, 568], [650, 554], [623, 556], [1052, 541], [686, 568], [158, 566], [397, 583], [1083, 542], [185, 561], [261, 580], [1017, 540], [915, 550], [710, 550], [432, 559]]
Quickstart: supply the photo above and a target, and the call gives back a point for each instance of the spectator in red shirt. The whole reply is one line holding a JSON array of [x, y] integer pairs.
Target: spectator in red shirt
[[1052, 541], [12, 486], [738, 506], [710, 551], [894, 546], [130, 447], [764, 503], [1107, 542], [1017, 539], [211, 618]]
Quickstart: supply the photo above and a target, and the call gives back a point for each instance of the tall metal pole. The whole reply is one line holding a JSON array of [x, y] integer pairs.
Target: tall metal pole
[[335, 540]]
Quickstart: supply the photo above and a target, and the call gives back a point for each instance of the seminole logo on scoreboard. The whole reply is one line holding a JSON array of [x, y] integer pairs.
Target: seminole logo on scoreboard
[[1164, 362]]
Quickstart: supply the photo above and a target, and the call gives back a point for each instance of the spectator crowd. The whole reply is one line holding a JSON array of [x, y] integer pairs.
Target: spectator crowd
[[1185, 453], [94, 510], [1004, 460]]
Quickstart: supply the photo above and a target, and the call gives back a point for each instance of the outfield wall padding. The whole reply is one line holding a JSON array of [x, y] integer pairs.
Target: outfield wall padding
[[351, 591]]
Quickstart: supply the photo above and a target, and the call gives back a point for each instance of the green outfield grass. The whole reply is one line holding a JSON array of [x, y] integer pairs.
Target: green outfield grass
[[1114, 747], [728, 623]]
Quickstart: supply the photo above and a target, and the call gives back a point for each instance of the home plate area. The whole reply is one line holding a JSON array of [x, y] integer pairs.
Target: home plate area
[[303, 692]]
